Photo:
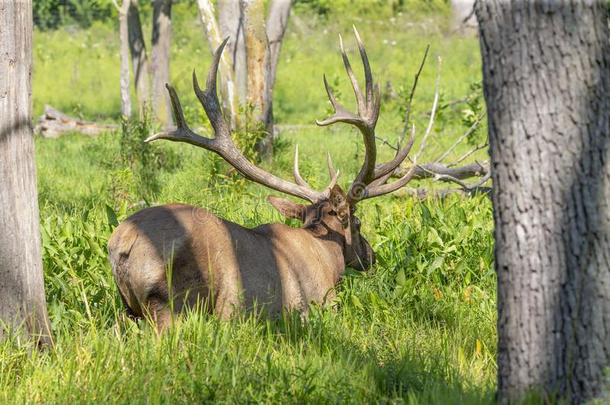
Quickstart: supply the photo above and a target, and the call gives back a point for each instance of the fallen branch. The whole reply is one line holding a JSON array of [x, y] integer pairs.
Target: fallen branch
[[422, 193], [54, 123], [438, 171]]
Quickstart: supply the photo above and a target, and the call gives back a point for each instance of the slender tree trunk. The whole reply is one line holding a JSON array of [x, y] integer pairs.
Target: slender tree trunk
[[230, 21], [227, 82], [124, 51], [277, 21], [139, 58], [161, 41], [546, 77], [257, 53], [22, 298]]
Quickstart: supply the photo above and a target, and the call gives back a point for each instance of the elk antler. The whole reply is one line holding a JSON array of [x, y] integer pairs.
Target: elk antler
[[371, 179], [223, 145]]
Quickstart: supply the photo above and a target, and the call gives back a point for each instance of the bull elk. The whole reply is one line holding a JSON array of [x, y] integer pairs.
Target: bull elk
[[229, 267]]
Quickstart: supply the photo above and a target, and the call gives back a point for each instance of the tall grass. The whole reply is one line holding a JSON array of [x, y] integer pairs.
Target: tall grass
[[418, 328]]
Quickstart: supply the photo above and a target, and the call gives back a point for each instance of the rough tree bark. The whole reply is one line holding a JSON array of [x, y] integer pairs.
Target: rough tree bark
[[161, 41], [22, 298], [124, 54], [546, 77], [139, 58]]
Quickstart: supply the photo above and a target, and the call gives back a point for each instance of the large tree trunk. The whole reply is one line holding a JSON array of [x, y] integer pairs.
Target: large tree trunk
[[227, 82], [546, 77], [257, 53], [139, 58], [22, 299], [124, 56], [161, 41], [230, 21]]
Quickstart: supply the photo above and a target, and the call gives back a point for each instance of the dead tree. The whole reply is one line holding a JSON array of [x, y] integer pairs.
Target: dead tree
[[23, 307], [546, 80], [161, 41]]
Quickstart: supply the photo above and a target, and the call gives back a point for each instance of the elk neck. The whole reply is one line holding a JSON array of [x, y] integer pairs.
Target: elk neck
[[332, 242]]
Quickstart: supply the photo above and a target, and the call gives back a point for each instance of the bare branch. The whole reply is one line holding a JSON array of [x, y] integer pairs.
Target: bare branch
[[412, 94], [424, 193], [469, 153], [422, 144], [465, 135], [430, 170]]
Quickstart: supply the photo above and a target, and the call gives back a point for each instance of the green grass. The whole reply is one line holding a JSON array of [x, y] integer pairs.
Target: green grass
[[418, 328]]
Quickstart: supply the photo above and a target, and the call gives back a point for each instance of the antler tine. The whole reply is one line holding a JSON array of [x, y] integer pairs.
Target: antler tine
[[352, 77], [334, 174], [209, 101], [333, 180], [368, 76], [209, 97], [365, 120], [295, 170], [341, 114], [182, 133], [331, 168], [382, 189], [378, 187], [402, 154]]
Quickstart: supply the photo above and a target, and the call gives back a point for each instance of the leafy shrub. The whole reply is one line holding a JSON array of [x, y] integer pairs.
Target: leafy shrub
[[143, 161], [78, 284]]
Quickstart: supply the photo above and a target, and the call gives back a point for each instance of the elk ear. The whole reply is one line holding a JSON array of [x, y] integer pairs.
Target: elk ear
[[338, 203], [287, 208]]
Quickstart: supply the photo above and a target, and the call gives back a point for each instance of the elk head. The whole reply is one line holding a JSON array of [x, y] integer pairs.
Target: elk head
[[332, 216]]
